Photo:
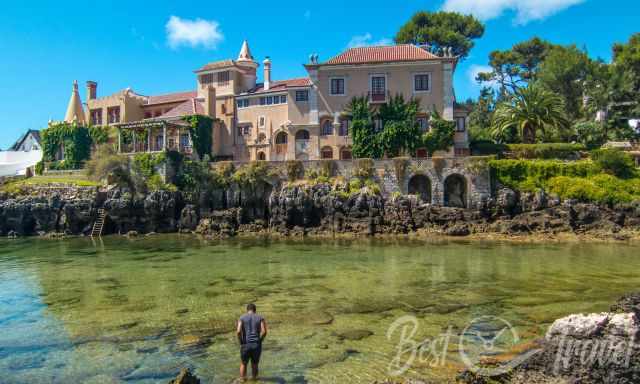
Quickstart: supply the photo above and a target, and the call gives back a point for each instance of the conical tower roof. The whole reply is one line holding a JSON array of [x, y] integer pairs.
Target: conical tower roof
[[245, 52], [75, 112]]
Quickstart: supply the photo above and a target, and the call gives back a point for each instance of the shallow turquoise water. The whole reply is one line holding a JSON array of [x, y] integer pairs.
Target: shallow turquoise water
[[135, 311]]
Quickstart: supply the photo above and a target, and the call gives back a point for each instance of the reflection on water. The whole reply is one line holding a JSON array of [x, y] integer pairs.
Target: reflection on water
[[136, 311]]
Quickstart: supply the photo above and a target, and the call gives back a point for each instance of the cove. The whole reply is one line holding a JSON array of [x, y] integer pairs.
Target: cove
[[137, 310]]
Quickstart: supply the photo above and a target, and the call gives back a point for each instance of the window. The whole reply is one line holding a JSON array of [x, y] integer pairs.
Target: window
[[378, 85], [269, 100], [96, 116], [345, 154], [302, 95], [261, 121], [421, 82], [263, 101], [262, 156], [184, 140], [327, 128], [337, 86], [206, 78], [223, 78], [461, 123], [243, 103], [326, 153], [423, 123], [283, 99], [244, 130], [344, 127], [113, 115], [281, 138]]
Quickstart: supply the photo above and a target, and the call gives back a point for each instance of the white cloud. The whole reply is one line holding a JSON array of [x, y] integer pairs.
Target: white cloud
[[194, 33], [473, 72], [525, 10], [367, 40]]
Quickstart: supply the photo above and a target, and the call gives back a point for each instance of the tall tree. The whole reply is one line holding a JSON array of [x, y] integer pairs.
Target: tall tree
[[440, 30], [514, 68], [564, 71], [626, 65], [530, 111], [481, 114]]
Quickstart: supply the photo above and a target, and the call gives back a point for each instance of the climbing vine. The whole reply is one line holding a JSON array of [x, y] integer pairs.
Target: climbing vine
[[201, 128], [74, 140]]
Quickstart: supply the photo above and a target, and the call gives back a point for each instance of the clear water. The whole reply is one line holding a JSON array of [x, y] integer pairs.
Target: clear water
[[135, 311]]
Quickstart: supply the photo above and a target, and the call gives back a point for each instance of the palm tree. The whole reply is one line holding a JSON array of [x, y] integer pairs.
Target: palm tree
[[530, 110]]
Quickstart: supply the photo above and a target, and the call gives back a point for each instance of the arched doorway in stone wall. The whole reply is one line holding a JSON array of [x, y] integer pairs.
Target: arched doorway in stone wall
[[262, 156], [455, 191], [420, 185]]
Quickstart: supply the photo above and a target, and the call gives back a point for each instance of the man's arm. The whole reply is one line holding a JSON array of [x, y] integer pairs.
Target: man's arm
[[263, 329], [239, 331]]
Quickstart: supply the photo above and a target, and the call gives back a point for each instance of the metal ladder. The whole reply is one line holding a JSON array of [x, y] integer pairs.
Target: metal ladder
[[99, 223]]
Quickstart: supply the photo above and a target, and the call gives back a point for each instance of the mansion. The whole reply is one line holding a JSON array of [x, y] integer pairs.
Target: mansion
[[301, 118]]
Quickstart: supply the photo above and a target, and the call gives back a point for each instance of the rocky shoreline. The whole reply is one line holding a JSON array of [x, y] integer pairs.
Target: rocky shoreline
[[320, 210]]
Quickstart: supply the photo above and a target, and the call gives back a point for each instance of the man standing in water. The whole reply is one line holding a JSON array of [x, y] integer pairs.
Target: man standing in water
[[251, 331]]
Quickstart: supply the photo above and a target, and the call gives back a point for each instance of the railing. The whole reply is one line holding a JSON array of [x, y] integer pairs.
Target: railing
[[378, 96]]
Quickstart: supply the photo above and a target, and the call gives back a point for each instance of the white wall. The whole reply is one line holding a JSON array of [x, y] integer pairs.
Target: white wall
[[15, 163]]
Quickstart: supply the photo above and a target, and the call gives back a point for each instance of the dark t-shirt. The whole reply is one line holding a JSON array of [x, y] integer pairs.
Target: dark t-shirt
[[251, 325]]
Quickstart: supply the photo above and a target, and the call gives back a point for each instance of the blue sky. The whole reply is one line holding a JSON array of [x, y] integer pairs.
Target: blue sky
[[45, 45]]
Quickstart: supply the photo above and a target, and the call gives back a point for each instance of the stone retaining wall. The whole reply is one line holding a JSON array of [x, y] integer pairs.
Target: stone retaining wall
[[395, 176]]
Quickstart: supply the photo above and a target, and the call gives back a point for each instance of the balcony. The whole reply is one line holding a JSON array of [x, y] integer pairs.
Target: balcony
[[379, 97]]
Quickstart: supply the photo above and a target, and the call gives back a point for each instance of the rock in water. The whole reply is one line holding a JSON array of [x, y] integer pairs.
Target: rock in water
[[185, 377]]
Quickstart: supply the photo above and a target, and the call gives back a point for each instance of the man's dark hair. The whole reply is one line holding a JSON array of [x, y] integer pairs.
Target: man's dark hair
[[251, 307]]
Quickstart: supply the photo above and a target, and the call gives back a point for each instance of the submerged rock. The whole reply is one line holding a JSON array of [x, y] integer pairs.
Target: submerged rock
[[185, 377]]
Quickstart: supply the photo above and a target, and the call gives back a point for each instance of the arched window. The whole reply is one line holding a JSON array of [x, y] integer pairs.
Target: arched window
[[327, 128], [281, 138], [345, 154], [262, 156], [302, 134], [326, 153]]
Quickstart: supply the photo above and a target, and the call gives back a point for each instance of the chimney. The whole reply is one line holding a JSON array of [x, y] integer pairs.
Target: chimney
[[92, 90], [267, 73], [210, 102]]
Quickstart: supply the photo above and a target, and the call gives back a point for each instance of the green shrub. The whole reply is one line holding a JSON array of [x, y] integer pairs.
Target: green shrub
[[364, 168], [39, 167], [527, 175], [603, 188], [614, 162], [487, 147], [155, 183], [355, 185], [146, 163], [545, 150], [295, 169]]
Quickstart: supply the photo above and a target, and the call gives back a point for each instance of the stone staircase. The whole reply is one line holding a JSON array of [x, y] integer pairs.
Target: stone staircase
[[98, 225]]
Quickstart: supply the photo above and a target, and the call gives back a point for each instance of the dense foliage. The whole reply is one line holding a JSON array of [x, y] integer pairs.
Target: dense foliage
[[442, 30], [74, 140], [528, 114], [400, 134], [201, 130]]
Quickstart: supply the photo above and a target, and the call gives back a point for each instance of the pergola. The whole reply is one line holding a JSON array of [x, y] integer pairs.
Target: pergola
[[160, 135]]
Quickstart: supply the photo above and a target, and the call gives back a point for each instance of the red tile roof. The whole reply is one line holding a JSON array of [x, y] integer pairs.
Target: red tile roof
[[171, 97], [282, 85], [382, 54], [189, 107]]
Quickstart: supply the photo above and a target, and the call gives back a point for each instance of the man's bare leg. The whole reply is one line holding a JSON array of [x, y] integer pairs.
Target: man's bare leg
[[254, 370], [243, 371]]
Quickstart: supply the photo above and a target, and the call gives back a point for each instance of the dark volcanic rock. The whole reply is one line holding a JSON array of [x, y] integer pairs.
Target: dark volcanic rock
[[185, 377]]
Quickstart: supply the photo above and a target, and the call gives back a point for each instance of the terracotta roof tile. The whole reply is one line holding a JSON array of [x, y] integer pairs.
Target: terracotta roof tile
[[190, 107], [171, 97], [382, 54], [281, 85]]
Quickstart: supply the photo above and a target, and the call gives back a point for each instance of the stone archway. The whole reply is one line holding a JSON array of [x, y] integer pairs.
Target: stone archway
[[455, 191], [262, 156], [420, 185], [303, 147]]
